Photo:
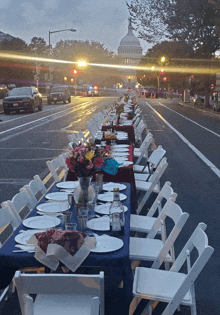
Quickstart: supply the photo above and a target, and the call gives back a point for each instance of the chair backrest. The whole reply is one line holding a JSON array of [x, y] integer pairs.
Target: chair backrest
[[179, 218], [55, 166], [6, 225], [33, 189], [81, 137], [144, 147], [154, 180], [73, 138], [155, 158], [20, 206], [71, 284], [198, 240], [165, 193]]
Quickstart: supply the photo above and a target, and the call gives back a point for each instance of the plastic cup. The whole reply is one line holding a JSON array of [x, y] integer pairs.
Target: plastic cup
[[99, 180]]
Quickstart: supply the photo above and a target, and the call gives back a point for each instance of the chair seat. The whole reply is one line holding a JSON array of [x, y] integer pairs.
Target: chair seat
[[141, 185], [57, 304], [146, 249], [156, 284], [141, 176], [141, 168], [141, 223]]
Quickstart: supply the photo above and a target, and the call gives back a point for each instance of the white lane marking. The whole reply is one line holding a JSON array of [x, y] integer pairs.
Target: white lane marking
[[19, 160], [197, 152], [46, 149], [216, 134], [12, 181], [31, 122]]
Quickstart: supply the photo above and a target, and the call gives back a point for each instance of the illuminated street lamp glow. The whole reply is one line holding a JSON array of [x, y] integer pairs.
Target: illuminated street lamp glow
[[82, 63], [163, 59]]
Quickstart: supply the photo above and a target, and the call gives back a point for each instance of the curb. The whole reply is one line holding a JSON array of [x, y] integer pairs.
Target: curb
[[212, 113]]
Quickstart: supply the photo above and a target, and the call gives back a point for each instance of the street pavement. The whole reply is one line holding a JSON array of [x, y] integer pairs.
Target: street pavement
[[190, 136]]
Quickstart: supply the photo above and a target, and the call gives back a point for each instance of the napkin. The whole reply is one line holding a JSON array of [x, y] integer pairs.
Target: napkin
[[110, 166], [69, 247]]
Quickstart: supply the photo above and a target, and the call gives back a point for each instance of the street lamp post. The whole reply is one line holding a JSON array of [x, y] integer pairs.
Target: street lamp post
[[51, 32]]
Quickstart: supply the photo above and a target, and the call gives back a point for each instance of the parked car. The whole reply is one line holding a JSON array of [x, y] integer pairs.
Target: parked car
[[24, 98], [59, 94]]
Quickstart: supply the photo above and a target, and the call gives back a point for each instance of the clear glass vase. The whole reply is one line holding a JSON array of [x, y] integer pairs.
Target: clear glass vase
[[84, 194]]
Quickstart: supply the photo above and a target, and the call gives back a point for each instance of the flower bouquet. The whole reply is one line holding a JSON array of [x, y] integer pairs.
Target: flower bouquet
[[85, 160]]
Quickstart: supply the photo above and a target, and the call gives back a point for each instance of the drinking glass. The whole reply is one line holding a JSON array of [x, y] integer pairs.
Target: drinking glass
[[99, 181], [71, 226], [82, 218]]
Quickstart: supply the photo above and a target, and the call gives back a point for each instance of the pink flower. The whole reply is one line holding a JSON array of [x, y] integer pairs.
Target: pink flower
[[98, 161], [89, 166]]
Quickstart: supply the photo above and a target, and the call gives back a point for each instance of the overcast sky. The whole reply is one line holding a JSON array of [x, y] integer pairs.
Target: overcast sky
[[104, 21]]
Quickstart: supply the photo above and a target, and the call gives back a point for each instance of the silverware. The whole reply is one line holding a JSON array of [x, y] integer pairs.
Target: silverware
[[23, 251]]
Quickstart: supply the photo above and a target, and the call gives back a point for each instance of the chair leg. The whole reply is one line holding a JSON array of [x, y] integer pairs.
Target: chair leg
[[149, 308]]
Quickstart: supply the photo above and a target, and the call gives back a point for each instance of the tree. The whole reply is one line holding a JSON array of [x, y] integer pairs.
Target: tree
[[189, 21], [93, 53]]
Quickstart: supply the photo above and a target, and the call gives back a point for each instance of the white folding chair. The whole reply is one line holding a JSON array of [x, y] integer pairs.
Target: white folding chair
[[69, 294], [159, 250], [144, 223], [33, 189], [73, 138], [141, 152], [138, 132], [151, 163], [6, 230], [58, 168], [20, 206], [152, 185], [174, 287], [81, 137]]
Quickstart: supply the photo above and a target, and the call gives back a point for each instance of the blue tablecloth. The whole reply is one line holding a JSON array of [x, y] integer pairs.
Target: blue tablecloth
[[10, 262]]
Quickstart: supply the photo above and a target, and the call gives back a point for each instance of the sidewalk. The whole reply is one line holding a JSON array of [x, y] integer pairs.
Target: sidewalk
[[209, 111]]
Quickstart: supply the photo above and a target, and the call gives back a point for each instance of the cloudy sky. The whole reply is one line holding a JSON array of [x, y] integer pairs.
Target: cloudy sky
[[104, 21]]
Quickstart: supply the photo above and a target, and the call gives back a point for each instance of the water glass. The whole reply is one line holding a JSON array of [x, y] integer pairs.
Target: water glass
[[67, 217], [71, 226], [82, 218], [99, 181]]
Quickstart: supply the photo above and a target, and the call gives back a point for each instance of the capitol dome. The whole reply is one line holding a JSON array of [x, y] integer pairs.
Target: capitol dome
[[129, 47]]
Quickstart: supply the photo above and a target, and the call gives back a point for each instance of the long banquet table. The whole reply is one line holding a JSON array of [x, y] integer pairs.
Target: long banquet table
[[119, 259]]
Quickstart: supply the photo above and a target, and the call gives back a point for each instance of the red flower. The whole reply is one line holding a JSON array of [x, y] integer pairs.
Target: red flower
[[70, 163], [98, 161]]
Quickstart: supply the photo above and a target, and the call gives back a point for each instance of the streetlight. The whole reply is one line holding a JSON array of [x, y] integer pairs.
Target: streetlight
[[75, 73], [68, 29], [163, 59], [82, 63], [51, 32]]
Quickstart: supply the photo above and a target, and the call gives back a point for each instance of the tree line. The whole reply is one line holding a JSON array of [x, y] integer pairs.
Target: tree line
[[186, 33], [26, 71]]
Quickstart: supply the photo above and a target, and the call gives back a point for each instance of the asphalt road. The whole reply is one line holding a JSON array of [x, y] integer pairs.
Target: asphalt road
[[27, 141], [190, 137]]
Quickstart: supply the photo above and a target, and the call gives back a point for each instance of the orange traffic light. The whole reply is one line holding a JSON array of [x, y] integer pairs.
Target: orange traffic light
[[164, 79], [75, 72], [95, 87], [72, 80]]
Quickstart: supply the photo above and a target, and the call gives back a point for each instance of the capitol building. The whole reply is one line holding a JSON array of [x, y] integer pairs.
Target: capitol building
[[131, 51]]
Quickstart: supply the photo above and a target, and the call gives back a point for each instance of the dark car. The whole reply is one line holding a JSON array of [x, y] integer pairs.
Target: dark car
[[59, 94], [24, 98]]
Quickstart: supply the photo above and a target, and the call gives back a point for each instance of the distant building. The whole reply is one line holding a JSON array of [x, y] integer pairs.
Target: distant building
[[131, 51]]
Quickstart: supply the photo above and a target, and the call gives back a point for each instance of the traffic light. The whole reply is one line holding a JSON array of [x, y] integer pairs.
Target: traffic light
[[75, 72], [95, 87], [164, 79], [72, 80]]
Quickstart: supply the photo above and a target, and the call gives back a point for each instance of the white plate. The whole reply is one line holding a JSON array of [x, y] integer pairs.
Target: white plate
[[108, 197], [120, 154], [121, 159], [41, 222], [121, 146], [126, 163], [23, 237], [121, 149], [53, 207], [110, 186], [68, 185], [99, 224], [104, 209], [105, 244], [57, 196]]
